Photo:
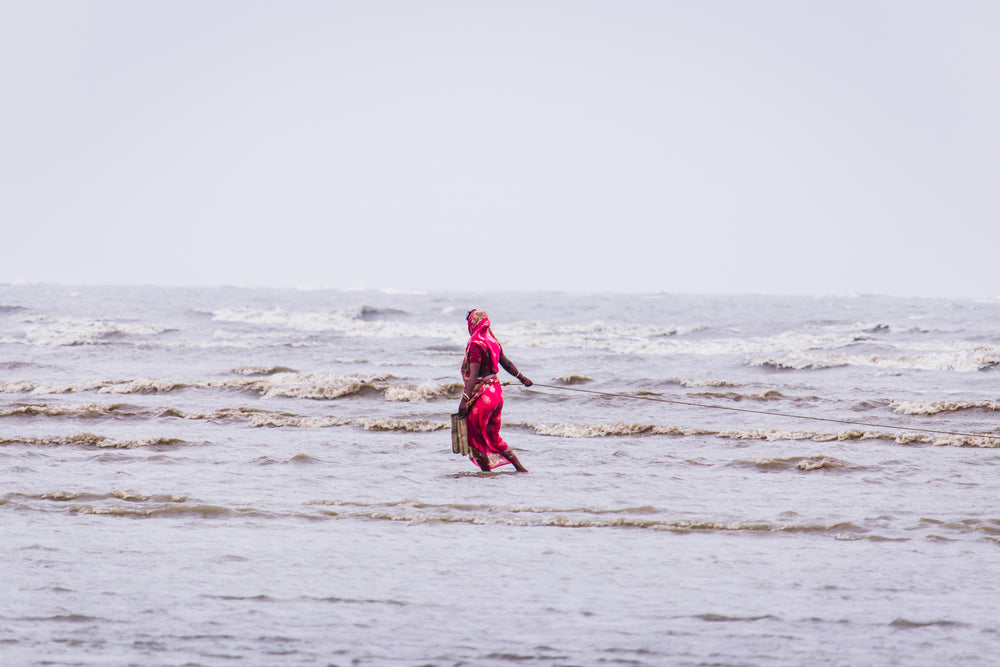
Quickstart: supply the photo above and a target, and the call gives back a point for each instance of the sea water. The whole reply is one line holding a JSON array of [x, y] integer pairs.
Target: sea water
[[249, 476]]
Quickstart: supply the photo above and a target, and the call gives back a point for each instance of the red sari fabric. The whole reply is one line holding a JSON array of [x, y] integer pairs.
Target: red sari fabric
[[486, 402]]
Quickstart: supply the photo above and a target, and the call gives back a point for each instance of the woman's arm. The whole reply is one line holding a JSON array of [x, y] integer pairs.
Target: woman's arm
[[512, 369], [470, 384]]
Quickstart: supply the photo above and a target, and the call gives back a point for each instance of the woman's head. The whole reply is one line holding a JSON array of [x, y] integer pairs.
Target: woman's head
[[477, 319]]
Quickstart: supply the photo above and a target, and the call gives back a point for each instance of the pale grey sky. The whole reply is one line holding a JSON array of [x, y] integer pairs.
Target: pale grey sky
[[703, 146]]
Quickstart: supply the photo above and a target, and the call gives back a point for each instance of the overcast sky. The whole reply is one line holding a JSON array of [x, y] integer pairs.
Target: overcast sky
[[785, 147]]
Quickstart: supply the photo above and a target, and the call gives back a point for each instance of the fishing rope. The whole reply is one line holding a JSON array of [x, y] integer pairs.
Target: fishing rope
[[658, 399]]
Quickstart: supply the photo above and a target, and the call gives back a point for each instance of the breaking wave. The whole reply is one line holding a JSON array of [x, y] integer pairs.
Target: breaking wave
[[766, 395], [253, 371], [620, 429], [965, 358], [126, 503], [266, 382], [573, 379], [84, 411], [935, 407], [304, 385], [387, 323], [139, 386], [91, 441], [267, 385], [259, 418], [804, 463], [69, 331], [425, 392], [264, 419], [705, 383], [642, 518], [121, 504], [72, 496]]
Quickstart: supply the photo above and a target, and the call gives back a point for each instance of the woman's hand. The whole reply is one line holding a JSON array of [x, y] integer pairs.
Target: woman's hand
[[463, 407], [525, 381]]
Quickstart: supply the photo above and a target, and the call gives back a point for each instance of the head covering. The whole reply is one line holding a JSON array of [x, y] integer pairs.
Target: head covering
[[477, 320], [482, 336]]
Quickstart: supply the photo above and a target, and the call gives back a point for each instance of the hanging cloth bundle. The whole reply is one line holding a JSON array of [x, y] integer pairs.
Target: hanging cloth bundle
[[459, 435]]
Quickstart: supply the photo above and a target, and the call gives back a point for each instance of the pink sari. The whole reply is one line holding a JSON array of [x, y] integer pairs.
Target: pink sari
[[486, 402]]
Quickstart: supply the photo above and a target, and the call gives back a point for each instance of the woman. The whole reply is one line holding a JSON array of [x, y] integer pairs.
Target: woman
[[482, 396]]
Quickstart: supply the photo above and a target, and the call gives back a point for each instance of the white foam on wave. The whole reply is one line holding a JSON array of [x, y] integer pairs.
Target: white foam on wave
[[66, 331], [284, 384], [428, 391], [960, 357], [303, 385], [621, 429], [85, 410], [800, 361], [348, 322], [711, 382], [91, 441], [262, 370], [272, 420], [936, 407]]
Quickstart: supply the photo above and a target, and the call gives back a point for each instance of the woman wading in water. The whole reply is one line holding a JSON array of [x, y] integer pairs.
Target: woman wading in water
[[482, 396]]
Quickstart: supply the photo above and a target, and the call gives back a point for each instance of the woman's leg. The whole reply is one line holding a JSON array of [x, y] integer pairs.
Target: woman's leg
[[509, 455], [476, 422], [493, 436]]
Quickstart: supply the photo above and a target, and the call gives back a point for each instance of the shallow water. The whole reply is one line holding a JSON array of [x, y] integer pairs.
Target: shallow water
[[265, 477]]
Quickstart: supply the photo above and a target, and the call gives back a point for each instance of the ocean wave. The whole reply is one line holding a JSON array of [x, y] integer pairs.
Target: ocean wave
[[425, 392], [203, 511], [70, 331], [254, 417], [284, 384], [695, 383], [360, 322], [964, 358], [572, 379], [74, 496], [253, 371], [800, 361], [370, 313], [305, 385], [804, 463], [990, 527], [621, 429], [590, 430], [139, 386], [85, 410], [905, 624], [259, 419], [936, 407], [265, 420], [14, 365], [385, 323], [127, 503], [644, 518], [266, 382], [408, 425], [91, 441], [720, 618], [766, 395]]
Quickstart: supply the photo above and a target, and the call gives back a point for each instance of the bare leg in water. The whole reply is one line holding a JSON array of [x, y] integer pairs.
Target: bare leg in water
[[484, 463], [509, 455], [481, 459]]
